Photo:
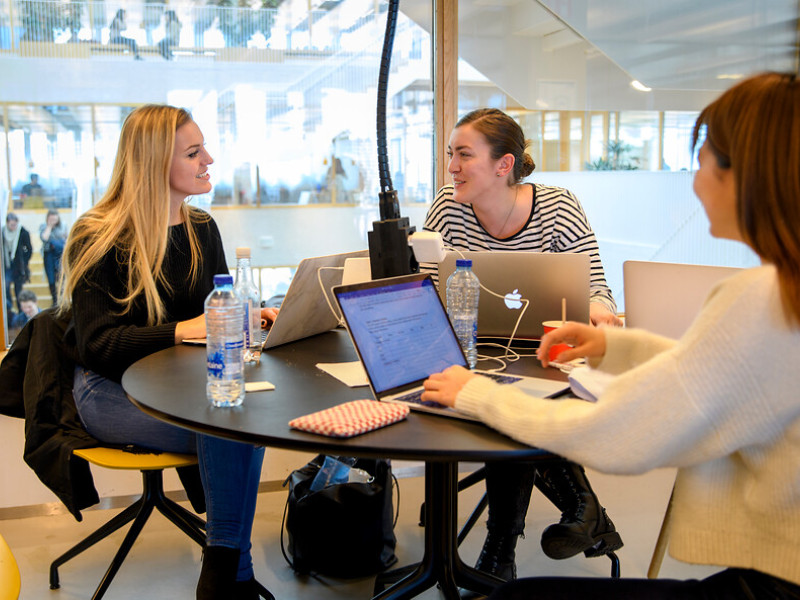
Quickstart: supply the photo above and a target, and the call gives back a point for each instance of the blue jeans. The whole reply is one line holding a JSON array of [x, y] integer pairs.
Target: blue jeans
[[230, 471], [52, 264]]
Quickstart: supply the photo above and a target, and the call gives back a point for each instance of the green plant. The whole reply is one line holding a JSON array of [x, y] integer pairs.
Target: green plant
[[615, 159]]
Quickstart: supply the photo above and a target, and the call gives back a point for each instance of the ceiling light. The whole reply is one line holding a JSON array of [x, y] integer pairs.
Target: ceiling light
[[638, 85], [730, 76]]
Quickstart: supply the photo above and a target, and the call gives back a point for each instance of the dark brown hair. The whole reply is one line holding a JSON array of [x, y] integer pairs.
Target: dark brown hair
[[754, 129], [504, 136]]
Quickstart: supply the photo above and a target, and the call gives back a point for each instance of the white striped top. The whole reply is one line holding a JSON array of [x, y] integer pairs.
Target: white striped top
[[557, 223]]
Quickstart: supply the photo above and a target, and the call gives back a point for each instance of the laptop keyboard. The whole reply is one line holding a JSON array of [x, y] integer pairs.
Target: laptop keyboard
[[414, 397]]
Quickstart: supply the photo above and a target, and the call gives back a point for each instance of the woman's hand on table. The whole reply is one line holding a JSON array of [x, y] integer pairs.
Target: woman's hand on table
[[191, 329], [600, 315], [268, 316], [444, 387], [586, 341]]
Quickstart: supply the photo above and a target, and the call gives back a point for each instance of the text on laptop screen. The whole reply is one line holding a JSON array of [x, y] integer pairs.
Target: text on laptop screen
[[401, 332]]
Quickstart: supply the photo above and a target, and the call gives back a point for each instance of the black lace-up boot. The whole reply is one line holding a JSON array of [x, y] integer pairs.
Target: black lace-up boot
[[498, 555], [497, 558], [584, 525]]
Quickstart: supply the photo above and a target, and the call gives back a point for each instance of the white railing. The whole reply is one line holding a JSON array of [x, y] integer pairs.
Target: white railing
[[77, 29]]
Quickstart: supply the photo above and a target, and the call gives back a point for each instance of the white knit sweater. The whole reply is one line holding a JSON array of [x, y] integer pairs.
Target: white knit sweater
[[722, 405]]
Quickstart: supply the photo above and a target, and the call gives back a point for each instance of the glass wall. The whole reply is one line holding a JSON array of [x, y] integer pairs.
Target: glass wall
[[289, 148]]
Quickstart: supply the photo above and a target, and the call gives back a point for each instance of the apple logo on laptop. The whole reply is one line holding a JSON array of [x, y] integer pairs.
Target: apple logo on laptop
[[512, 300]]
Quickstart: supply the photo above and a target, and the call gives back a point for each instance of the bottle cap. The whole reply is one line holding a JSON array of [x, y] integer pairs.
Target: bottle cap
[[463, 262], [223, 280], [243, 252]]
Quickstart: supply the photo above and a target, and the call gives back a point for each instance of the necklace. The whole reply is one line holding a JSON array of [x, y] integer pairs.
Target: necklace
[[508, 216]]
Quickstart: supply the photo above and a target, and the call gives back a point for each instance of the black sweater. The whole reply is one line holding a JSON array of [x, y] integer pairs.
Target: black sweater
[[108, 343]]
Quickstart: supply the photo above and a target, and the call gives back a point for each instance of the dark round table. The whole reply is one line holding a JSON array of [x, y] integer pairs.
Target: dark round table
[[170, 385]]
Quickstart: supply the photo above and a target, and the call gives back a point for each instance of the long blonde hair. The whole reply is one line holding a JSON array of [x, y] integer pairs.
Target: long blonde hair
[[132, 217]]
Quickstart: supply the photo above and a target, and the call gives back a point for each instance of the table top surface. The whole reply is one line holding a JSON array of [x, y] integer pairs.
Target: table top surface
[[171, 385]]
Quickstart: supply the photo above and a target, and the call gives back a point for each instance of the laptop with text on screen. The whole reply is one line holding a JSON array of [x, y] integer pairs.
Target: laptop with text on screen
[[402, 335]]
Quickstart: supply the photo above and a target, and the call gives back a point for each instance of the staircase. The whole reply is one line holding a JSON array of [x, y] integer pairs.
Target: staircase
[[38, 283]]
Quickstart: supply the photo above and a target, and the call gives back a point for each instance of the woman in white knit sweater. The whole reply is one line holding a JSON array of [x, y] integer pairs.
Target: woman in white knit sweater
[[721, 404]]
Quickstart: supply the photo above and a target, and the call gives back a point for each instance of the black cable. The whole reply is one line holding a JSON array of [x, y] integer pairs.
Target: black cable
[[383, 86]]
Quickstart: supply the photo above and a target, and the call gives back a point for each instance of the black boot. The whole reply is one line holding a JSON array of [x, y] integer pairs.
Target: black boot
[[498, 555], [584, 525], [497, 558], [218, 574]]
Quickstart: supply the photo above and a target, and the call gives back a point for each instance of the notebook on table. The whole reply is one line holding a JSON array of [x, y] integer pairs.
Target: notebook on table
[[544, 278], [666, 297], [402, 335]]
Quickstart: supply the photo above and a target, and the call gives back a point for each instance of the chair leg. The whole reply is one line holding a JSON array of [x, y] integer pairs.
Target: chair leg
[[661, 542], [126, 516], [138, 512], [615, 571], [189, 523], [127, 543], [473, 518]]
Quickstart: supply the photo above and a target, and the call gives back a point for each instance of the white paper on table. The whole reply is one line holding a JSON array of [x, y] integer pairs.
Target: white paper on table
[[588, 383], [351, 374]]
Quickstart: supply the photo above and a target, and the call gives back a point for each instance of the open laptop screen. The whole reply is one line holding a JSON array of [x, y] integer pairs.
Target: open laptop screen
[[400, 330]]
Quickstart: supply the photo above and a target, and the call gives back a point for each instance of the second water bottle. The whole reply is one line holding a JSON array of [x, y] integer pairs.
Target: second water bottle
[[463, 291]]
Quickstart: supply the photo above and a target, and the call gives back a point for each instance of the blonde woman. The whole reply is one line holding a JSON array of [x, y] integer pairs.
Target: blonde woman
[[720, 404], [136, 269]]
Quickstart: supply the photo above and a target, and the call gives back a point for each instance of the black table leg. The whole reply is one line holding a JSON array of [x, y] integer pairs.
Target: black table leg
[[440, 561]]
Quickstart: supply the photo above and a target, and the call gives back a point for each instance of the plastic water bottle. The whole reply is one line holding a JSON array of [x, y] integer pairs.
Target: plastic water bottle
[[463, 291], [224, 312], [246, 288], [335, 469]]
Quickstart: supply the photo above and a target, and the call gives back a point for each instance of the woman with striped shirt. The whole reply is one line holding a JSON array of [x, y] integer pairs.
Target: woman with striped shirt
[[488, 208]]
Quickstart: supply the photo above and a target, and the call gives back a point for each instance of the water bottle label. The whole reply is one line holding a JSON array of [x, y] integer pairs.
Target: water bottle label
[[216, 364], [247, 324]]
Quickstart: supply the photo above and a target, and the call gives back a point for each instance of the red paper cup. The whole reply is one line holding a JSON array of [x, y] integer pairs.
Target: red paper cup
[[555, 349]]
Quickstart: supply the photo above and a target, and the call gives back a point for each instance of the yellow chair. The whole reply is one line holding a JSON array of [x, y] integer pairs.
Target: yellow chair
[[9, 573], [152, 467]]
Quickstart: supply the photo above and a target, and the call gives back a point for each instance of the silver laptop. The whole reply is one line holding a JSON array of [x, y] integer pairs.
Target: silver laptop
[[305, 310], [402, 335], [666, 297], [541, 277]]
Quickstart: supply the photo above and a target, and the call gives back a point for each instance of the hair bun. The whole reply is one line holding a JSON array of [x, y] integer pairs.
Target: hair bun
[[527, 166]]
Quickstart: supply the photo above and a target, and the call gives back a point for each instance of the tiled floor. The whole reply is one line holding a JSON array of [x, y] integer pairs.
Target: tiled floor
[[165, 564]]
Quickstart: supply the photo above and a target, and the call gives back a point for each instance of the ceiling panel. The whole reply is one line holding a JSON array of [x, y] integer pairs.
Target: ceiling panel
[[687, 44]]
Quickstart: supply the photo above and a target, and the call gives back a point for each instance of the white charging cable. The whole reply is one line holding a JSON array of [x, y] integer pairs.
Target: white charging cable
[[339, 317], [509, 355]]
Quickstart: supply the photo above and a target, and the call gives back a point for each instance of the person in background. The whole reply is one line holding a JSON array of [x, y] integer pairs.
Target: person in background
[[17, 251], [53, 236], [720, 404], [28, 302], [172, 28], [138, 266], [32, 188], [115, 29], [489, 208]]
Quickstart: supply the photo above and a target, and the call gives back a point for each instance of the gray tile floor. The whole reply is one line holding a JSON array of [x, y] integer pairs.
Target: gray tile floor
[[165, 564]]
